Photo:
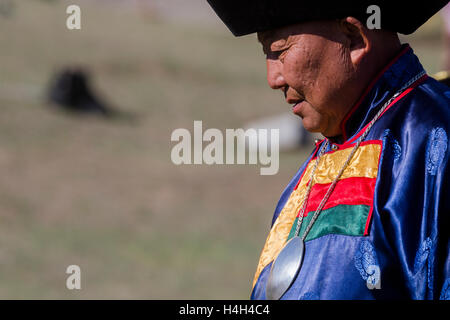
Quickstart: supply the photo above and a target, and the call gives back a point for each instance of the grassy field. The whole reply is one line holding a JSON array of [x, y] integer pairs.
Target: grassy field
[[103, 194]]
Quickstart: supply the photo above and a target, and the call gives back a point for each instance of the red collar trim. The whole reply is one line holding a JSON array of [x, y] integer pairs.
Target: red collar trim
[[368, 89], [401, 96]]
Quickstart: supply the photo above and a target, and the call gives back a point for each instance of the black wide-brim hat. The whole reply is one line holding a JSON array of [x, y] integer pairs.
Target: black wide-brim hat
[[248, 16]]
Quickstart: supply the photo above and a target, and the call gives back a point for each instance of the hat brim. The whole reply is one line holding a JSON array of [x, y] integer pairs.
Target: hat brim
[[244, 17]]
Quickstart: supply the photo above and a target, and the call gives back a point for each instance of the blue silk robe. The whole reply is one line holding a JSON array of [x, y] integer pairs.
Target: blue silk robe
[[384, 232]]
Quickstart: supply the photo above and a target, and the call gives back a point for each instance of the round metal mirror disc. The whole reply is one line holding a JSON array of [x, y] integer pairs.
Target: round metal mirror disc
[[285, 268]]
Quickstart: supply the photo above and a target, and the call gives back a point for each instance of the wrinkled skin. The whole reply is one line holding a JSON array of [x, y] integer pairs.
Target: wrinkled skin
[[322, 67]]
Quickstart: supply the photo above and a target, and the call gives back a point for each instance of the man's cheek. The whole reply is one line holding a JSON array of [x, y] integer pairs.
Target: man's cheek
[[311, 115]]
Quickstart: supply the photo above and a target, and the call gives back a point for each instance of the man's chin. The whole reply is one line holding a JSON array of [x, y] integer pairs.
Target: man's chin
[[318, 124], [311, 127], [315, 128]]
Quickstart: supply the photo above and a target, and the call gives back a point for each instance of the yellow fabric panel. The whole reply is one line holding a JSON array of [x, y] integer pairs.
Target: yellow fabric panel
[[363, 164]]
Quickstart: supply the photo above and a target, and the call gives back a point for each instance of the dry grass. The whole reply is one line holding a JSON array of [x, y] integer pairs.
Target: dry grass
[[104, 194]]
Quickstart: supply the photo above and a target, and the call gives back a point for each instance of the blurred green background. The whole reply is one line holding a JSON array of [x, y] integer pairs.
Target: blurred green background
[[104, 194]]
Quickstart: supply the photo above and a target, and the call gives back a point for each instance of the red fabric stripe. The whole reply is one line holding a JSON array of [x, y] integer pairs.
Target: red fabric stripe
[[404, 93], [369, 87], [350, 191]]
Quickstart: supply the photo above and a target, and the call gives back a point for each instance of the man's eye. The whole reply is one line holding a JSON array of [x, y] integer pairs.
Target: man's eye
[[273, 55], [282, 55], [276, 55]]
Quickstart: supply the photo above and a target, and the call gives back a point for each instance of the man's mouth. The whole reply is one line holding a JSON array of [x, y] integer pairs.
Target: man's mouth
[[296, 108]]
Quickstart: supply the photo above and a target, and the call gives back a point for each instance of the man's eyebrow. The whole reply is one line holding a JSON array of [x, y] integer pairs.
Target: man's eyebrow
[[271, 44], [279, 45]]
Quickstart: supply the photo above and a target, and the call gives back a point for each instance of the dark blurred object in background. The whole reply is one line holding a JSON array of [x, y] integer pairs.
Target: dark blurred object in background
[[6, 8], [70, 89]]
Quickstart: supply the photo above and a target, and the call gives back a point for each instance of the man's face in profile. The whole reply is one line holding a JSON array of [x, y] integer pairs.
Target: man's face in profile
[[311, 63]]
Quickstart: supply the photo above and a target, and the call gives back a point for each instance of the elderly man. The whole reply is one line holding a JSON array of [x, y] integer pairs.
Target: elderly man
[[367, 215]]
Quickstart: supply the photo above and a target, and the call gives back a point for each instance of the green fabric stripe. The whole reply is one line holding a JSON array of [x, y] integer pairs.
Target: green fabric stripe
[[342, 219]]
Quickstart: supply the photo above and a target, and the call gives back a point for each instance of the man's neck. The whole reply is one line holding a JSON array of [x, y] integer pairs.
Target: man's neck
[[377, 62]]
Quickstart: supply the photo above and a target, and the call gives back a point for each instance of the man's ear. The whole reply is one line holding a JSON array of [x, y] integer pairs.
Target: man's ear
[[357, 39]]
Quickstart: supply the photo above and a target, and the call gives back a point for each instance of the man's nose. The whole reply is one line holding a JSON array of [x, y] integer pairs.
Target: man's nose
[[275, 74]]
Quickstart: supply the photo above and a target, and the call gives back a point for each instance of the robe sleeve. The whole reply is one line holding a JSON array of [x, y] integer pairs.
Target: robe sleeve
[[414, 204]]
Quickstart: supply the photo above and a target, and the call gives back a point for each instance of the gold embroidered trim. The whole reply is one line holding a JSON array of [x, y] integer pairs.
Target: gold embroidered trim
[[363, 164]]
